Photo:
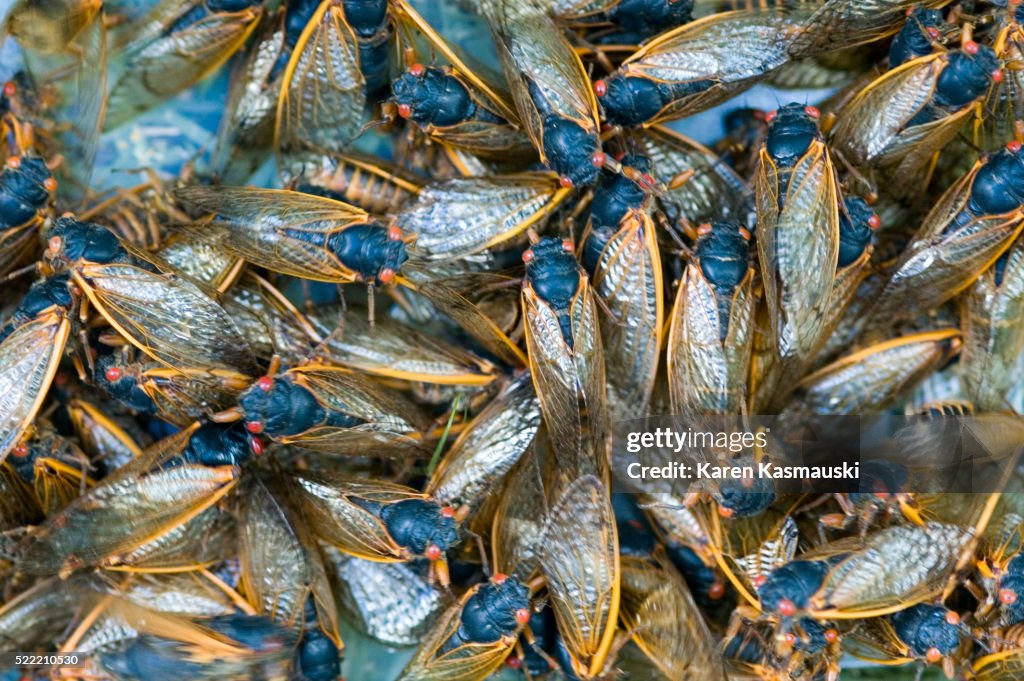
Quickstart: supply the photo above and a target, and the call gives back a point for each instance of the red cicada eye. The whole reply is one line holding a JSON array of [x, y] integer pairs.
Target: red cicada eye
[[404, 110], [725, 512], [14, 162], [448, 512], [770, 116], [1007, 596], [599, 159], [522, 615], [433, 552], [20, 450], [716, 591], [417, 70], [256, 444], [565, 181], [50, 184], [1013, 147], [745, 233], [759, 581], [970, 47], [997, 76], [600, 88], [55, 244], [831, 635], [786, 607], [395, 233], [265, 383], [812, 111], [952, 618], [933, 655], [513, 662], [254, 427], [113, 374], [704, 229], [528, 256], [568, 246], [386, 275], [874, 222], [790, 639], [933, 32], [10, 88], [499, 578]]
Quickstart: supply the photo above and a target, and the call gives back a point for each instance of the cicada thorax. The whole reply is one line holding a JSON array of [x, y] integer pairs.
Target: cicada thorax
[[172, 51], [620, 253], [179, 396], [473, 637], [450, 109], [798, 244], [993, 341], [672, 76], [874, 376], [711, 329], [331, 410], [32, 342], [370, 183], [464, 216], [897, 125], [566, 358], [973, 223], [27, 188], [551, 92]]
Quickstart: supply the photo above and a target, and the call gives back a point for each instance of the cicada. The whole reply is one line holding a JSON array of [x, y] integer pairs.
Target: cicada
[[620, 252], [898, 124], [283, 573], [378, 521], [838, 24], [305, 82], [659, 611], [126, 510], [875, 376], [128, 641], [32, 343], [923, 632], [331, 410], [697, 65], [457, 104], [967, 230], [566, 359], [622, 22], [146, 303], [176, 46], [179, 396], [472, 638], [303, 235], [797, 239], [710, 333], [27, 188], [551, 91], [917, 38], [463, 216], [579, 558], [1004, 104]]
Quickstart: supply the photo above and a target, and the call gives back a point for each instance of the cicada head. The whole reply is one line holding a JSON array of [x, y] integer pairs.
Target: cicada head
[[788, 589], [71, 240], [430, 96], [856, 225]]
